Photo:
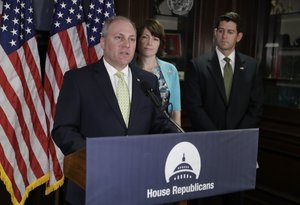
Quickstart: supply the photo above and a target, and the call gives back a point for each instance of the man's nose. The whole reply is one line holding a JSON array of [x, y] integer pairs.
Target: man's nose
[[224, 35], [127, 42]]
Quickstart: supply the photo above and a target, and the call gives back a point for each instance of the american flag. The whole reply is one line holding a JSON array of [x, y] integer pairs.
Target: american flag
[[27, 153], [74, 43], [99, 11]]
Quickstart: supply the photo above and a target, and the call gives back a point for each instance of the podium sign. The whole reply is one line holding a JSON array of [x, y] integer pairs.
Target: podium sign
[[157, 169]]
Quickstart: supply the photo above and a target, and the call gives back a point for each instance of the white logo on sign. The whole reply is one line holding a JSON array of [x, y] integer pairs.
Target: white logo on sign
[[183, 162]]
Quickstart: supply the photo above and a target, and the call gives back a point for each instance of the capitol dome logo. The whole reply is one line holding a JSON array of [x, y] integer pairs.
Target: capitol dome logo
[[183, 163]]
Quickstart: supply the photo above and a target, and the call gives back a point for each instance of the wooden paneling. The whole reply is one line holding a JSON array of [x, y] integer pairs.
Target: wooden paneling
[[123, 8], [138, 11], [279, 156], [253, 13]]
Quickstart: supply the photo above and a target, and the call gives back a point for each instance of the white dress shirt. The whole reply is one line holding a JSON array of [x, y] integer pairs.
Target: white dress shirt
[[114, 79]]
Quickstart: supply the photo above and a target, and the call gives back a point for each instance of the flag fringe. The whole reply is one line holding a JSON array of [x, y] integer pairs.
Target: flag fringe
[[54, 186], [44, 179]]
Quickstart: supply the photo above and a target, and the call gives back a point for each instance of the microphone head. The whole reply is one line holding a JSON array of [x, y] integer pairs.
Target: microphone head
[[146, 87], [149, 92]]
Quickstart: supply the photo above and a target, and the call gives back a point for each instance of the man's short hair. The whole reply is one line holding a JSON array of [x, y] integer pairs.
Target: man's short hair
[[112, 19], [230, 16]]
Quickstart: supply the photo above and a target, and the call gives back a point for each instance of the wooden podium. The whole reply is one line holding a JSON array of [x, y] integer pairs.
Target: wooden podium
[[75, 169]]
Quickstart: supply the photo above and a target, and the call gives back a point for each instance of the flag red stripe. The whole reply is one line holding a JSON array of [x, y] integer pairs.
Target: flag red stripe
[[56, 165], [38, 128], [34, 68], [58, 75], [49, 93], [67, 45], [53, 60], [16, 104], [83, 42], [57, 169], [11, 136], [9, 169], [93, 55]]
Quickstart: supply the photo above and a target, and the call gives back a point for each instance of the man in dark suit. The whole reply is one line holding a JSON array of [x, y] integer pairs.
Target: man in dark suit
[[87, 104], [212, 101]]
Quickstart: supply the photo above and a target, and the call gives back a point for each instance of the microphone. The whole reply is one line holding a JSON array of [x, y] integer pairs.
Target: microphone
[[149, 92], [157, 102]]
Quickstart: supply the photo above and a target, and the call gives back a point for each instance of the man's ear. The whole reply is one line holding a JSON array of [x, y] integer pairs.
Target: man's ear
[[215, 31], [102, 43], [239, 37]]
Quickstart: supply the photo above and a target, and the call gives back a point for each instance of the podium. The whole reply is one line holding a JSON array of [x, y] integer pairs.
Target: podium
[[75, 167], [158, 169]]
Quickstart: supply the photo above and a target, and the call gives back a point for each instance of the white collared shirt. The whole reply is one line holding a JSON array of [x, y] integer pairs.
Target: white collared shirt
[[222, 62], [114, 79]]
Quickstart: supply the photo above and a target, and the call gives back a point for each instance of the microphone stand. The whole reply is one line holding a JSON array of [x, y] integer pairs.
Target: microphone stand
[[172, 121], [150, 93]]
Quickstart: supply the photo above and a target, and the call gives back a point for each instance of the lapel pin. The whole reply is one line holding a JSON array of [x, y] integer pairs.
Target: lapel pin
[[242, 68]]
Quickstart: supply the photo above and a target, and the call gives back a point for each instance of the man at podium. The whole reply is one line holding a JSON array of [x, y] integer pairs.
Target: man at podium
[[106, 99]]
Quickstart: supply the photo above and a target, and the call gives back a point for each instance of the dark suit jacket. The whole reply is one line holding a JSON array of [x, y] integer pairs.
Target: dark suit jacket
[[87, 107], [206, 99]]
